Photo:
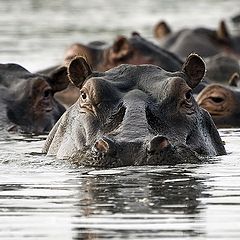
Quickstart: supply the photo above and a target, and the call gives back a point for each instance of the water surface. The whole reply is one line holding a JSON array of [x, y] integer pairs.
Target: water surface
[[45, 198]]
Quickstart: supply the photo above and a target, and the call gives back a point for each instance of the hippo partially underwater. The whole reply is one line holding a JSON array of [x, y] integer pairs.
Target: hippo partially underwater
[[135, 115], [223, 103], [26, 99], [206, 42]]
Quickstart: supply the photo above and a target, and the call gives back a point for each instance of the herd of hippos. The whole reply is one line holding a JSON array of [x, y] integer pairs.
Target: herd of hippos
[[131, 102]]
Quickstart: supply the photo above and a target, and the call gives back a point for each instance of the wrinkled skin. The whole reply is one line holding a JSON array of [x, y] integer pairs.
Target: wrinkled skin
[[203, 41], [135, 115], [27, 102], [223, 103]]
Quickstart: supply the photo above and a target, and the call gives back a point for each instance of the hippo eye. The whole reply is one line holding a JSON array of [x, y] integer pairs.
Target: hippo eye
[[83, 95], [217, 99], [188, 95], [47, 93]]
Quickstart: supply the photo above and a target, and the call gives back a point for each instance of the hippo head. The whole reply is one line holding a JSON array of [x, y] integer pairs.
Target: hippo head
[[222, 102], [133, 50], [29, 102], [135, 115]]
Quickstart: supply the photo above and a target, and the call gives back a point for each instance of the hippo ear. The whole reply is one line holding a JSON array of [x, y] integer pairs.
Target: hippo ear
[[58, 79], [120, 49], [194, 67], [78, 71], [222, 32], [234, 79], [161, 30]]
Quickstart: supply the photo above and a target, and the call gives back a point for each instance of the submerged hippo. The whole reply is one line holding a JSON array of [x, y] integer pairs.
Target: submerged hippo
[[26, 99], [205, 42], [223, 103], [101, 56], [134, 50], [135, 115]]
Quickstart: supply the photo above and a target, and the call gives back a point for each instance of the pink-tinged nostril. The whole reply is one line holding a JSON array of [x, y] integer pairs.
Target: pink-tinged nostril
[[102, 146], [105, 145], [158, 143]]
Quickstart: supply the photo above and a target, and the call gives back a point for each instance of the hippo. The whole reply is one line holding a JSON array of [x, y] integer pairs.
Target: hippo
[[101, 56], [27, 102], [134, 50], [203, 41], [135, 115], [222, 102]]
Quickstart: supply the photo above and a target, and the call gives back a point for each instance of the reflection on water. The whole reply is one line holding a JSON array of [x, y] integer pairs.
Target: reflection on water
[[42, 198], [45, 198]]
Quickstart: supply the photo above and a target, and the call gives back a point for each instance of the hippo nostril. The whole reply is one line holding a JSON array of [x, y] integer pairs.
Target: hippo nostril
[[101, 145], [157, 144], [105, 146]]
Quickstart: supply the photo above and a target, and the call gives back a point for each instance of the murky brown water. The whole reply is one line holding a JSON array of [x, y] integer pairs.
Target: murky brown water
[[45, 198]]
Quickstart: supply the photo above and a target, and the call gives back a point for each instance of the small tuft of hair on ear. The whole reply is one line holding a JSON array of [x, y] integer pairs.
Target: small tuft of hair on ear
[[195, 68], [234, 79], [78, 71], [161, 30]]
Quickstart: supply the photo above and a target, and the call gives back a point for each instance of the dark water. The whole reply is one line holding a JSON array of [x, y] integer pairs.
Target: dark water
[[45, 198]]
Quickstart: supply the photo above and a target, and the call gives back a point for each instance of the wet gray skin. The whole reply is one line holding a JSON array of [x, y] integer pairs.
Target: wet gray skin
[[135, 115], [222, 68], [26, 99]]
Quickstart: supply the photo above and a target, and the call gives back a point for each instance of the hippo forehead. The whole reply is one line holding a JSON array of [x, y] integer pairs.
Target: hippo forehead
[[147, 78]]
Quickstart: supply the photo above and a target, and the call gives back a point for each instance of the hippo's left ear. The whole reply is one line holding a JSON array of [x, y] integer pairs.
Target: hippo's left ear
[[58, 79], [194, 67], [78, 71]]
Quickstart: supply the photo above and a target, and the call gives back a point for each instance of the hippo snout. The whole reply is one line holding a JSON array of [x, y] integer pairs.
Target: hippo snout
[[105, 146], [158, 144]]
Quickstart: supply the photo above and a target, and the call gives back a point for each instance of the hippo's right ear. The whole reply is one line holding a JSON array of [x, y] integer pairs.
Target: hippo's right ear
[[78, 71], [161, 30], [194, 67], [222, 32]]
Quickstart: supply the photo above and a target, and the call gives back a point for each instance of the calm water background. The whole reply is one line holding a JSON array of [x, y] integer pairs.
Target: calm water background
[[44, 198]]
